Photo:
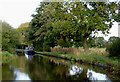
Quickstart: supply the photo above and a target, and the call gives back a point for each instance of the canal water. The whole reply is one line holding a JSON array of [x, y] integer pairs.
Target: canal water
[[46, 68]]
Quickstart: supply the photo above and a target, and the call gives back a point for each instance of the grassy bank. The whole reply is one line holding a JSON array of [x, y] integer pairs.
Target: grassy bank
[[95, 55], [6, 57]]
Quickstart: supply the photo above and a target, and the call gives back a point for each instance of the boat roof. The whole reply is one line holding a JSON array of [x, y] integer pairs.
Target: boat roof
[[29, 50]]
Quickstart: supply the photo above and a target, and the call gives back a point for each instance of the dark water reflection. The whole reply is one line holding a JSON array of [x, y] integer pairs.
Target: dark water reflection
[[43, 68]]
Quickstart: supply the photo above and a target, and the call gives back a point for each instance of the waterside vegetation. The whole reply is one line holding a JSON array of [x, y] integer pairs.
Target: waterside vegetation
[[7, 57], [96, 56]]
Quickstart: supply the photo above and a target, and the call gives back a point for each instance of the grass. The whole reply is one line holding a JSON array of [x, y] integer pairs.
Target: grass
[[6, 57], [96, 55]]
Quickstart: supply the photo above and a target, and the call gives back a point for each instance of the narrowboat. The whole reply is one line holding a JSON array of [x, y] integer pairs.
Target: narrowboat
[[29, 52]]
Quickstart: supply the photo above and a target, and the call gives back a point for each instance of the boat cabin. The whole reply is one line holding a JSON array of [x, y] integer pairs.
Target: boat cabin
[[29, 51]]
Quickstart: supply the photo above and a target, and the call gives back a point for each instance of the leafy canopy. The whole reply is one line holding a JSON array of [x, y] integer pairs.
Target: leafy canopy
[[10, 37], [71, 22]]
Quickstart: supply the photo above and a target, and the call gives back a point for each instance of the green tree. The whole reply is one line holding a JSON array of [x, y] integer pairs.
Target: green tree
[[72, 20], [96, 41], [10, 37], [91, 41], [116, 17], [64, 43], [40, 29], [112, 39], [22, 30], [114, 48], [79, 21], [100, 41]]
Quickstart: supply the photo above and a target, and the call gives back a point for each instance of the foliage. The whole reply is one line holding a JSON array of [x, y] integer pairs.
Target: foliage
[[100, 42], [116, 17], [64, 43], [91, 41], [40, 29], [22, 27], [22, 30], [7, 57], [72, 20], [6, 54], [80, 25], [95, 55], [97, 42], [114, 48], [10, 37], [46, 48], [112, 39]]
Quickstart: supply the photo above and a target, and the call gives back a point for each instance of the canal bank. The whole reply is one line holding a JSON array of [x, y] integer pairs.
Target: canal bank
[[7, 57], [99, 60]]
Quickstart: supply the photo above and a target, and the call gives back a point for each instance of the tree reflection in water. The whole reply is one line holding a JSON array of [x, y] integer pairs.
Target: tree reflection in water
[[8, 72], [43, 68]]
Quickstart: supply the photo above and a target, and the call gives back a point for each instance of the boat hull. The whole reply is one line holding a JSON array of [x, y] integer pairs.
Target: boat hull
[[29, 56]]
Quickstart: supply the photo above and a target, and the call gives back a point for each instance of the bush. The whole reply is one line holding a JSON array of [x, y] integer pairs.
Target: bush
[[39, 48], [46, 48], [6, 54], [7, 57], [114, 48]]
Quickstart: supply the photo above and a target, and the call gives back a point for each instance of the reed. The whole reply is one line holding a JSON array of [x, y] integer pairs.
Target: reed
[[59, 49]]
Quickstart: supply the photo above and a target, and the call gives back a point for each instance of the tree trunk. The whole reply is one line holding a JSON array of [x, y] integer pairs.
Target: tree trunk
[[85, 47]]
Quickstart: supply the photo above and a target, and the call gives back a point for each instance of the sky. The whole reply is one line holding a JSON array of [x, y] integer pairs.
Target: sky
[[16, 12]]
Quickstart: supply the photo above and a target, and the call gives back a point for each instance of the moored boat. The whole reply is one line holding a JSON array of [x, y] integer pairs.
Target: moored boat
[[29, 52]]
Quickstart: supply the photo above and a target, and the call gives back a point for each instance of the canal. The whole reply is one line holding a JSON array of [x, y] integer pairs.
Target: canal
[[47, 68]]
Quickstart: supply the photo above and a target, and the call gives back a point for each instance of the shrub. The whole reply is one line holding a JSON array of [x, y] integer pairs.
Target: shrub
[[6, 54], [114, 48], [7, 57], [46, 48], [39, 48]]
